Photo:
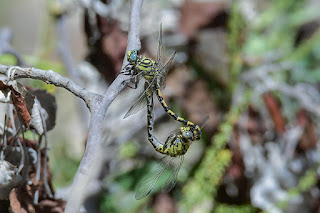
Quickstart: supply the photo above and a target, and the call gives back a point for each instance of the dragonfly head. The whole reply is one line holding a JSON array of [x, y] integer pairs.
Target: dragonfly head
[[132, 56], [191, 132], [196, 129]]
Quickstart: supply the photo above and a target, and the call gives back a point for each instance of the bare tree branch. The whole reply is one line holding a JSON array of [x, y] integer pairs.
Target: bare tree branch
[[98, 105], [51, 77], [91, 159]]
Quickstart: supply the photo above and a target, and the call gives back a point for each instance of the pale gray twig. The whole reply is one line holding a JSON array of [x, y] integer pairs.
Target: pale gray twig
[[45, 170], [22, 156], [5, 46], [38, 170], [51, 77]]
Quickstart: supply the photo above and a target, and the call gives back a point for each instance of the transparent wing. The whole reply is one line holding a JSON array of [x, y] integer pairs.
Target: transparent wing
[[164, 71], [174, 132], [160, 55], [203, 122], [140, 103], [148, 183], [137, 106], [172, 179]]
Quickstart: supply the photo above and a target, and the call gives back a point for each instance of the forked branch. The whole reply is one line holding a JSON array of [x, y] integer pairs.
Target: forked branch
[[97, 103]]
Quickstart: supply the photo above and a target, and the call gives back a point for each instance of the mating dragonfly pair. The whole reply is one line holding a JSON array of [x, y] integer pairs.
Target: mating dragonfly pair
[[177, 143]]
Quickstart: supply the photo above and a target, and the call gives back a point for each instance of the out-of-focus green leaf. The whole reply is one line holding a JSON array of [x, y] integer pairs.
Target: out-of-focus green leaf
[[45, 65], [8, 59]]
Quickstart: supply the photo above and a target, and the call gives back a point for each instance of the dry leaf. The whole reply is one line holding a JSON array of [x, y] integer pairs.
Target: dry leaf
[[274, 109], [309, 136], [48, 106]]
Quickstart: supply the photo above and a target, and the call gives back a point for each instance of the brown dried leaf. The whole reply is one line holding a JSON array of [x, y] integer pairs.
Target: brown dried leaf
[[274, 109], [21, 98], [51, 206], [21, 107], [21, 201], [3, 86], [309, 137], [14, 202]]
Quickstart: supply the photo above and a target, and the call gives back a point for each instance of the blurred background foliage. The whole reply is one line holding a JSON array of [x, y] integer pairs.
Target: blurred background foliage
[[252, 65]]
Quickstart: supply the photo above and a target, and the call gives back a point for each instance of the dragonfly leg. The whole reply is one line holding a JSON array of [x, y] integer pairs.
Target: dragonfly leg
[[127, 70], [132, 87], [134, 82]]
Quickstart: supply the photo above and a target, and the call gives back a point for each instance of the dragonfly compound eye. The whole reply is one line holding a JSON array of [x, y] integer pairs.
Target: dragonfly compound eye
[[133, 57], [187, 134]]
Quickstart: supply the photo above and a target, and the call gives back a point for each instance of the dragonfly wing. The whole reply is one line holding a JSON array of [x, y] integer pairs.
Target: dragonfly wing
[[172, 179], [203, 122], [160, 55], [147, 184], [164, 71], [141, 102], [137, 106]]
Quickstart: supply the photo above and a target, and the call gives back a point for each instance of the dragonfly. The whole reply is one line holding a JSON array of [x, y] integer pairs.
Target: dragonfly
[[154, 73], [174, 149]]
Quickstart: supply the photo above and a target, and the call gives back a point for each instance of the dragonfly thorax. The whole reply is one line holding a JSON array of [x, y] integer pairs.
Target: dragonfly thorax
[[142, 64], [176, 145]]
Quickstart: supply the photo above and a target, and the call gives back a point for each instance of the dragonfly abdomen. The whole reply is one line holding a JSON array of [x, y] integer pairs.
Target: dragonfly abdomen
[[194, 127]]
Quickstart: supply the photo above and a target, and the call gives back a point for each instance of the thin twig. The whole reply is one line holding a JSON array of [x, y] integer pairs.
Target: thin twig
[[38, 170], [22, 156], [45, 176], [51, 77], [5, 46], [4, 138]]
